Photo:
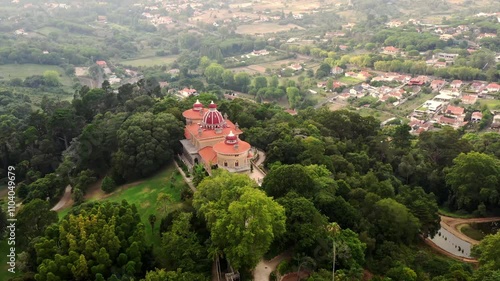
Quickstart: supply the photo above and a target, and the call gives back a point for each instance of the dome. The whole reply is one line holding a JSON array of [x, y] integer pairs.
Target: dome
[[212, 105], [197, 106], [231, 138], [213, 119]]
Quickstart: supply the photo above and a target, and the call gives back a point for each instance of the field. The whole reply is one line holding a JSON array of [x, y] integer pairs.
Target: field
[[492, 104], [11, 71], [263, 28], [144, 196], [261, 67], [149, 61], [378, 114], [349, 80]]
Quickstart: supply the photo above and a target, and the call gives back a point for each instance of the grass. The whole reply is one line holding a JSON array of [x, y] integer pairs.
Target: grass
[[349, 80], [4, 250], [149, 61], [473, 233], [378, 114], [492, 104], [144, 196], [11, 71], [460, 215]]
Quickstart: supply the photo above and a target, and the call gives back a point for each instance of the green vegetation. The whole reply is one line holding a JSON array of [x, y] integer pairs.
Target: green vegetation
[[148, 61], [471, 232], [12, 71]]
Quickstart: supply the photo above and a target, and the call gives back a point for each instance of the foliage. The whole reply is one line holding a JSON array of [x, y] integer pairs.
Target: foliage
[[232, 202], [103, 239], [145, 142], [108, 184]]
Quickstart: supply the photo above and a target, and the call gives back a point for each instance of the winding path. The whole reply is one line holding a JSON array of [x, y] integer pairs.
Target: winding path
[[264, 268], [64, 200]]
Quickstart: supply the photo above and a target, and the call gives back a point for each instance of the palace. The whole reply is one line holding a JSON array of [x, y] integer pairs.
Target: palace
[[213, 140]]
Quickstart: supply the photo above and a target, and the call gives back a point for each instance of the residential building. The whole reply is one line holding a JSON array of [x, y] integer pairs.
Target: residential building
[[390, 50], [469, 99], [101, 63], [187, 92], [476, 117], [455, 112], [493, 87], [295, 66], [437, 84], [337, 70], [456, 84]]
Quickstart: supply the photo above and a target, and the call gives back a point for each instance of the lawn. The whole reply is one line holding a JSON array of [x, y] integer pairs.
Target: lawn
[[492, 104], [349, 80], [471, 232], [461, 215], [378, 114], [144, 196], [149, 61], [11, 71]]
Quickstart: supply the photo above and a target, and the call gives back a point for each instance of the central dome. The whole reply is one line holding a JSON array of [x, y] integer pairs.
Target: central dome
[[213, 119]]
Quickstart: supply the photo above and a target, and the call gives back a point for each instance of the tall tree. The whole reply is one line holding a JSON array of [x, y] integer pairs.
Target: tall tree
[[233, 202]]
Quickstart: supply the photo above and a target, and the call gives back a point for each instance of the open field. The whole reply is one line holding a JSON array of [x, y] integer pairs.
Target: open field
[[349, 80], [492, 104], [378, 114], [144, 196], [11, 71], [263, 28], [261, 68], [149, 61]]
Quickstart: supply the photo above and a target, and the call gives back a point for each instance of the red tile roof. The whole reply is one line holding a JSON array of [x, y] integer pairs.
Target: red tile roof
[[208, 155], [224, 148], [455, 110]]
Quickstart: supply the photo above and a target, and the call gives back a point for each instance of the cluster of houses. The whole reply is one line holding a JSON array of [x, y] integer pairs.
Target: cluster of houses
[[442, 110]]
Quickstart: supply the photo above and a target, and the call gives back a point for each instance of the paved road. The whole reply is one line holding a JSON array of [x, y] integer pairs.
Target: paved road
[[264, 268], [451, 224]]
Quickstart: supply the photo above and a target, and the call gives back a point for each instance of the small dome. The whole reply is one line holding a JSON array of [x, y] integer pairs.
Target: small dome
[[231, 138], [197, 106], [212, 105]]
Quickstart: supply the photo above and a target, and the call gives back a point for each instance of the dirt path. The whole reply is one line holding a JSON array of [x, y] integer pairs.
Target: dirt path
[[64, 200], [451, 224], [264, 268]]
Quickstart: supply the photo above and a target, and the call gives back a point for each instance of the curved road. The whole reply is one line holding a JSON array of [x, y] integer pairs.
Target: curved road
[[451, 224]]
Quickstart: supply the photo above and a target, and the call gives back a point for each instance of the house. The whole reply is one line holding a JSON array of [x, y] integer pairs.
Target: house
[[20, 32], [260, 52], [429, 107], [336, 70], [334, 34], [456, 84], [443, 98], [351, 74], [163, 84], [101, 63], [486, 35], [455, 123], [477, 86], [187, 92], [321, 84], [469, 99], [394, 23], [390, 50], [453, 93], [445, 37], [455, 112], [476, 117], [364, 75], [291, 112], [440, 64], [343, 47], [493, 87], [295, 67], [344, 96], [420, 80], [102, 19], [447, 56], [437, 84]]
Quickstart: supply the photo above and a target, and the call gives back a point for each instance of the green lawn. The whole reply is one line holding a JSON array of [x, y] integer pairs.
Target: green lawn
[[378, 114], [149, 61], [47, 30], [492, 104], [349, 80], [471, 232], [144, 196], [11, 71]]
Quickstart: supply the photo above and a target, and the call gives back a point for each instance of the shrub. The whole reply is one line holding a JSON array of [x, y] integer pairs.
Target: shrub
[[108, 185]]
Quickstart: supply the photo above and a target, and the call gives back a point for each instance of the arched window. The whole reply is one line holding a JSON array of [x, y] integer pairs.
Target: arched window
[[225, 164], [236, 164]]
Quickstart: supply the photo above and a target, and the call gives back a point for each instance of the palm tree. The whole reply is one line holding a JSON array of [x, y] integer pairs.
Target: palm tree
[[333, 228]]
